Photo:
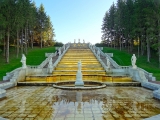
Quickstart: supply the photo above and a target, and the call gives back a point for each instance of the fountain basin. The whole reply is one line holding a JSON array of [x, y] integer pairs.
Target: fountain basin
[[70, 85]]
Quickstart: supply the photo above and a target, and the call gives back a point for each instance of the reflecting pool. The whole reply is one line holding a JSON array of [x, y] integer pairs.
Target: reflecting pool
[[48, 103]]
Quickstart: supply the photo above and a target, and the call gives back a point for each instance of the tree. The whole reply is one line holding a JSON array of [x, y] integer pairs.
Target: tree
[[42, 20], [8, 7], [22, 24], [135, 21]]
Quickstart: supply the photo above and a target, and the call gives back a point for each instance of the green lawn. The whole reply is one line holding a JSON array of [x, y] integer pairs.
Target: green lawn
[[123, 58], [34, 57]]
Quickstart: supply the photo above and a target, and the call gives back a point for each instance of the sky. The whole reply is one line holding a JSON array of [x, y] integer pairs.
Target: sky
[[76, 19]]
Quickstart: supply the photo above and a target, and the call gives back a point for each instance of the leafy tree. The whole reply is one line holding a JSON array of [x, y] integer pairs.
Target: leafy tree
[[22, 24]]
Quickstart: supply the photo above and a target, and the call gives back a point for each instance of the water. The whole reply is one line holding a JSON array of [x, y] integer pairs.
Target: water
[[48, 103]]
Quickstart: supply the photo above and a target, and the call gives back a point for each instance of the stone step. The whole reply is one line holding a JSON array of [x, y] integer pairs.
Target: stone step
[[77, 54], [81, 71], [83, 63], [86, 66], [77, 59], [61, 78], [75, 68], [75, 72]]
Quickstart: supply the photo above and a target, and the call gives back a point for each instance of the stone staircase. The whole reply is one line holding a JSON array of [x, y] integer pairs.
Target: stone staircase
[[91, 68], [66, 69]]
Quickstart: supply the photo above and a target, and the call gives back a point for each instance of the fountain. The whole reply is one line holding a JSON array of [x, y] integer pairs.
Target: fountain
[[78, 99], [79, 81], [94, 72], [79, 84]]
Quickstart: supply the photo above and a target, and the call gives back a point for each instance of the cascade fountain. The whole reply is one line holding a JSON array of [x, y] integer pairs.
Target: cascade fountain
[[78, 99]]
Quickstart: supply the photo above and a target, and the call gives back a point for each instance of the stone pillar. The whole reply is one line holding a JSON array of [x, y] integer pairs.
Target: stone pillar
[[93, 49], [108, 63], [59, 51], [50, 66], [98, 54]]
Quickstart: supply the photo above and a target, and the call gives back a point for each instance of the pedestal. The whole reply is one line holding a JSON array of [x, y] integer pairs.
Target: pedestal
[[79, 81]]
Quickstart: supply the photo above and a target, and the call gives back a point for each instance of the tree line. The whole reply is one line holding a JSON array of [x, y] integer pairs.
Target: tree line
[[133, 24], [24, 25]]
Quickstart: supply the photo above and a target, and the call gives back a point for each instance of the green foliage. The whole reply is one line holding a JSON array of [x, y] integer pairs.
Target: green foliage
[[100, 45], [22, 24], [34, 57], [128, 21], [58, 44]]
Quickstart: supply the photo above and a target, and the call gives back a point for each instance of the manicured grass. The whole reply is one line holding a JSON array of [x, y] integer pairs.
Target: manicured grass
[[124, 59], [34, 57]]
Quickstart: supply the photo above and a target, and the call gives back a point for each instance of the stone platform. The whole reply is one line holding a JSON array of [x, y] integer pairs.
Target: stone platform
[[136, 84]]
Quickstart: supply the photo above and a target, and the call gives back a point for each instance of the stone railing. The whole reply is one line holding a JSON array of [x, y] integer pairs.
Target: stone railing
[[101, 48], [109, 54], [60, 56], [46, 60], [32, 66], [20, 73], [148, 75], [10, 74], [114, 64], [125, 69], [49, 54]]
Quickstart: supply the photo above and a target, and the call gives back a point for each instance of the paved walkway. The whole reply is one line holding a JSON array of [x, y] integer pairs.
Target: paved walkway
[[48, 103]]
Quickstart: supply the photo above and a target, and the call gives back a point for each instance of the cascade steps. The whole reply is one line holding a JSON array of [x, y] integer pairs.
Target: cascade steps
[[95, 78], [75, 68], [66, 69]]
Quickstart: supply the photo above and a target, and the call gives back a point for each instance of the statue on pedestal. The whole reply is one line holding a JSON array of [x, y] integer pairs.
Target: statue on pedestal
[[133, 61], [23, 60], [74, 40], [83, 41], [78, 40]]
